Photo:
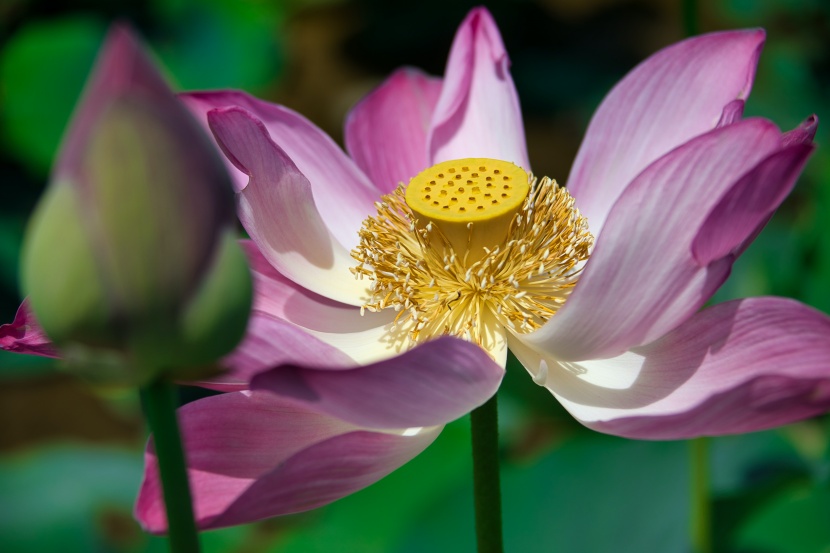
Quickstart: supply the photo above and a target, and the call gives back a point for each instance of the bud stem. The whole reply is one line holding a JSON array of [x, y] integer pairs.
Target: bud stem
[[159, 401]]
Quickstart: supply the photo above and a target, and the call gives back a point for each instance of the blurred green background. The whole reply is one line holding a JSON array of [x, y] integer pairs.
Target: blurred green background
[[70, 456]]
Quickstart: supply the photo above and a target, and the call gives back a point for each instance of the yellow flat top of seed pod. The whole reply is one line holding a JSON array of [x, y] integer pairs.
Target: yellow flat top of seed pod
[[468, 190]]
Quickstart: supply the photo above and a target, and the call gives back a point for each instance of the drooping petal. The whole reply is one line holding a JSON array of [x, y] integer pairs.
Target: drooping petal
[[343, 194], [270, 342], [478, 113], [429, 385], [386, 133], [327, 471], [365, 339], [736, 367], [278, 210], [676, 94], [253, 455], [642, 279], [24, 335]]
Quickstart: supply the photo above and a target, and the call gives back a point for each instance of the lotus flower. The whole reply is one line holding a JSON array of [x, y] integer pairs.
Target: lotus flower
[[340, 379]]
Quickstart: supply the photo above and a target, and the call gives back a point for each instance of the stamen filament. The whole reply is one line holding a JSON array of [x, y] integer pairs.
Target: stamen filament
[[522, 278]]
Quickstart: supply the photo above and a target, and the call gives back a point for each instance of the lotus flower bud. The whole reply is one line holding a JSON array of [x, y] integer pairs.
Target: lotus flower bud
[[129, 259]]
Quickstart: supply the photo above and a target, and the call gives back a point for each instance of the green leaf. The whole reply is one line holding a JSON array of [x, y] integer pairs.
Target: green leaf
[[11, 236], [63, 498], [798, 521], [42, 71], [72, 498], [376, 519], [222, 44], [19, 365], [582, 497]]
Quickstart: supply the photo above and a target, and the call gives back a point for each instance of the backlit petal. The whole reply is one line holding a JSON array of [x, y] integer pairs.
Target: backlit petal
[[736, 367], [676, 94], [342, 193], [364, 338], [279, 212], [642, 279]]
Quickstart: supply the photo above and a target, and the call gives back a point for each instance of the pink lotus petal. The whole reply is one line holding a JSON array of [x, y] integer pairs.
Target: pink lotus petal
[[342, 193], [23, 335], [270, 342], [325, 472], [732, 113], [278, 210], [386, 133], [200, 108], [736, 367], [746, 207], [431, 384], [676, 94], [253, 456], [358, 336], [478, 113], [803, 134], [281, 297], [642, 279]]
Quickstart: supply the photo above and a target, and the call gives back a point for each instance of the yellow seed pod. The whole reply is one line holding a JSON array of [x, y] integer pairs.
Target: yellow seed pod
[[472, 201]]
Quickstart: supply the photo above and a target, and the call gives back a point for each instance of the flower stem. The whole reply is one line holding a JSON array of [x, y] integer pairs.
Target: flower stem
[[486, 481], [701, 523], [159, 402]]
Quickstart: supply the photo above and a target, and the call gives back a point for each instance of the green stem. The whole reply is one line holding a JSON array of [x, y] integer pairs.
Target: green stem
[[690, 22], [701, 524], [486, 481], [160, 406]]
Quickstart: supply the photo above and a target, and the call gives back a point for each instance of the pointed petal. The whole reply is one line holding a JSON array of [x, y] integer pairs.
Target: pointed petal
[[746, 207], [803, 134], [252, 456], [386, 133], [278, 210], [200, 107], [732, 113], [24, 335], [429, 385], [736, 367], [676, 94], [478, 113], [642, 279], [342, 193]]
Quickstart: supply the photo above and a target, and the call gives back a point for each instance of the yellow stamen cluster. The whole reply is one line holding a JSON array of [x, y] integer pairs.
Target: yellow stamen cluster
[[440, 287]]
